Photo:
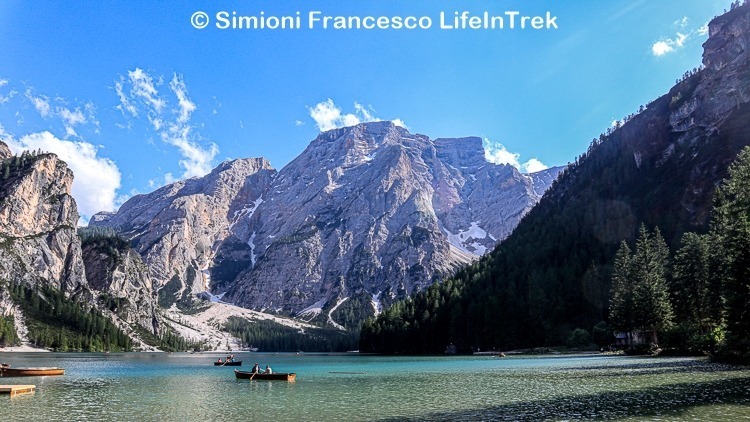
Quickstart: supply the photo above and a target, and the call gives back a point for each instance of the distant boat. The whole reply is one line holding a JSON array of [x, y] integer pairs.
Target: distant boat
[[7, 371], [252, 349], [244, 375], [232, 363]]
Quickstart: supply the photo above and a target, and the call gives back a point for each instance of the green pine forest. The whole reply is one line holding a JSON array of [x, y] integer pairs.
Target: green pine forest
[[271, 336], [62, 324]]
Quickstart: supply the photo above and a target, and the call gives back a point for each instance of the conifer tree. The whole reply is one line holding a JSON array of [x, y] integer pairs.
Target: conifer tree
[[652, 306], [621, 304], [730, 230], [696, 301]]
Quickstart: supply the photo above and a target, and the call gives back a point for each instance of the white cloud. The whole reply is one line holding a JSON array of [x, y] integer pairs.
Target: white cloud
[[682, 23], [299, 123], [497, 153], [197, 161], [328, 116], [139, 94], [180, 90], [125, 104], [5, 98], [534, 165], [41, 104], [703, 30], [71, 119], [97, 179], [400, 123], [144, 89], [661, 48], [669, 45], [364, 112]]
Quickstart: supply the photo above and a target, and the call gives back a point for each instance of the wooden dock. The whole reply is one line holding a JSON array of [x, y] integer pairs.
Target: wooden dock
[[15, 390]]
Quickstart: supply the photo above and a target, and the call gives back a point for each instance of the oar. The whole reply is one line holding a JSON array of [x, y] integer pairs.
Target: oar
[[252, 376]]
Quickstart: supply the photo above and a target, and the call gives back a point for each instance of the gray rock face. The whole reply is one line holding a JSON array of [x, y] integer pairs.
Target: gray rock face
[[377, 212], [723, 84], [38, 220], [178, 228], [118, 272]]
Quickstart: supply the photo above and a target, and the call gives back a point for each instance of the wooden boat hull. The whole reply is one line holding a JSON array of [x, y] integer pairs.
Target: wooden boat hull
[[235, 363], [30, 372], [265, 377]]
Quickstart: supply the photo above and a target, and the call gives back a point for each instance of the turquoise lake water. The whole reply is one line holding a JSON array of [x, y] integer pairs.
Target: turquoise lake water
[[352, 387]]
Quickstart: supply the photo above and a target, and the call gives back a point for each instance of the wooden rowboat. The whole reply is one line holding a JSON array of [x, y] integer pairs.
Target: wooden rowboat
[[29, 372], [233, 363], [244, 375]]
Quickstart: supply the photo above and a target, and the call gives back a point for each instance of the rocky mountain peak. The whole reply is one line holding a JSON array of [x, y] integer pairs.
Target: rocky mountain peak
[[370, 211]]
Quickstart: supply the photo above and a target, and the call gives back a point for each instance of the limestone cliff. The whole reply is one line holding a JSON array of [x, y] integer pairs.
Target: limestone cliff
[[178, 227], [39, 243], [38, 217], [120, 278]]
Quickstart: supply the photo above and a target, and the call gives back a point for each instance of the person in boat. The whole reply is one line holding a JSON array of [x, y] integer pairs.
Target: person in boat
[[221, 361], [268, 370], [256, 368]]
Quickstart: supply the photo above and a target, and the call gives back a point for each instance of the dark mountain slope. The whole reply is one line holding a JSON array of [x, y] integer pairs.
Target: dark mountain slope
[[552, 274]]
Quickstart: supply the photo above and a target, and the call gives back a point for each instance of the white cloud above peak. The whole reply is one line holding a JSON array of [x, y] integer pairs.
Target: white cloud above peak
[[328, 115], [497, 153]]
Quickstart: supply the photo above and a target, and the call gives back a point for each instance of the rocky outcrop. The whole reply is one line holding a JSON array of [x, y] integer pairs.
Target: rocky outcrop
[[178, 228], [706, 100], [706, 109], [119, 279], [38, 217]]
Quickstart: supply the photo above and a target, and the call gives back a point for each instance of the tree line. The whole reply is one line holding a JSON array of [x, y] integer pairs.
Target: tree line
[[269, 336]]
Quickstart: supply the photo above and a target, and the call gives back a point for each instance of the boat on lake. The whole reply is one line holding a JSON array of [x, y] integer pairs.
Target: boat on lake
[[230, 363], [7, 371], [281, 376]]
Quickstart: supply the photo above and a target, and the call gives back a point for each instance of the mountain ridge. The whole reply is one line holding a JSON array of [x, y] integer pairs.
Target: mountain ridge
[[368, 213]]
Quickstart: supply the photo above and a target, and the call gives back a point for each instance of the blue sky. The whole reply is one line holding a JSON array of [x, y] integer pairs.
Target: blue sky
[[133, 96]]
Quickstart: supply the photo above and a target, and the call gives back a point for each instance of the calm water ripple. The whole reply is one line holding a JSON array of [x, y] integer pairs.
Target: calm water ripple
[[351, 387]]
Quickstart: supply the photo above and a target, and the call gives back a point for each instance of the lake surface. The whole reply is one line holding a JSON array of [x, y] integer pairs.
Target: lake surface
[[352, 387]]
